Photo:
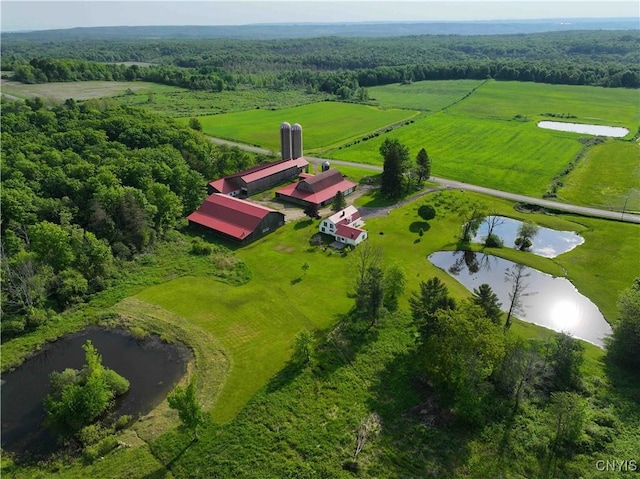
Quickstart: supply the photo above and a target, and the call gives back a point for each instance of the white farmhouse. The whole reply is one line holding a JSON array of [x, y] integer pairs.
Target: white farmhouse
[[344, 226]]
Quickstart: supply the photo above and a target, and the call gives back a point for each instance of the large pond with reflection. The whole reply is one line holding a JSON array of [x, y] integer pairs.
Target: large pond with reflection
[[548, 243], [152, 367], [597, 130], [547, 301]]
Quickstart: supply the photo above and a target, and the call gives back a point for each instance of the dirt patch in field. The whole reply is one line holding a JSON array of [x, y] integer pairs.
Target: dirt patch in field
[[76, 90]]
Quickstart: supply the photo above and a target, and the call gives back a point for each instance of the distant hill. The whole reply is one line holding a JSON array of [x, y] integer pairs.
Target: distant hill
[[375, 29]]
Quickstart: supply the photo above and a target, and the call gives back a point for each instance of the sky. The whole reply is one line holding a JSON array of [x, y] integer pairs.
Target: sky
[[43, 15]]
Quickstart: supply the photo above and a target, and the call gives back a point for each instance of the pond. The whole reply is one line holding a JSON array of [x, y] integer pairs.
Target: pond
[[548, 301], [152, 367], [548, 243], [597, 130]]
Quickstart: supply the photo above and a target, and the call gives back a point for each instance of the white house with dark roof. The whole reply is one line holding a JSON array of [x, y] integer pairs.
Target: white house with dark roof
[[345, 226]]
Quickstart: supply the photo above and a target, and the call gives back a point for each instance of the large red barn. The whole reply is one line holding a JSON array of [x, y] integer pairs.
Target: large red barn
[[318, 190], [235, 219]]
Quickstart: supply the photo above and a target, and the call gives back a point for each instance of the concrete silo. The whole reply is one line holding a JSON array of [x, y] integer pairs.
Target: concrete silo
[[285, 140], [296, 141]]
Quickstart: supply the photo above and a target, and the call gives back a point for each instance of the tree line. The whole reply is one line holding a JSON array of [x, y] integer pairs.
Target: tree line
[[85, 187], [603, 58]]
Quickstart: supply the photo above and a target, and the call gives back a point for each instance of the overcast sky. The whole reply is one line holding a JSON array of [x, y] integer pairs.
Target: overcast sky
[[39, 15]]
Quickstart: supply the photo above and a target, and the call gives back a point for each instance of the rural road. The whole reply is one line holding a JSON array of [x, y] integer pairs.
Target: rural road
[[452, 184]]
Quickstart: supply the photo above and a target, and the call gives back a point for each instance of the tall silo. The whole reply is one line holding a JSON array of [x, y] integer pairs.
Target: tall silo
[[296, 140], [285, 140]]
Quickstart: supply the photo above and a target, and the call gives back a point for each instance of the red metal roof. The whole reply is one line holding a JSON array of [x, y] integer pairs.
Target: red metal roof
[[271, 169], [224, 186], [348, 231], [234, 217], [319, 196]]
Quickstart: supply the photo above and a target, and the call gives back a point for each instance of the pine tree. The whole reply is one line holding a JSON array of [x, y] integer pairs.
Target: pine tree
[[396, 160], [488, 301], [423, 168], [339, 202]]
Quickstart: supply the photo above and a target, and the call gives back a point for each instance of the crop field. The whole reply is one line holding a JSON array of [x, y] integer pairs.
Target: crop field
[[423, 95], [506, 155], [607, 177], [84, 90], [325, 124], [601, 106]]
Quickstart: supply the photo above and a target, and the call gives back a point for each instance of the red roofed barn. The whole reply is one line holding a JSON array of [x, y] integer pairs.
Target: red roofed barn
[[235, 219], [318, 190], [259, 178]]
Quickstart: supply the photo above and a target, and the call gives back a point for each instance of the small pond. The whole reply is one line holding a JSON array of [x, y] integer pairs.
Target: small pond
[[548, 243], [597, 130], [547, 301], [152, 367]]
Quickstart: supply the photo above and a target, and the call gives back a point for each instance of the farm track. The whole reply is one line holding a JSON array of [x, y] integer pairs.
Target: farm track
[[452, 184]]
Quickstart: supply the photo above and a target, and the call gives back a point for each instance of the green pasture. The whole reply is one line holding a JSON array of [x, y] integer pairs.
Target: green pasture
[[588, 104], [607, 177], [187, 103], [85, 90], [324, 124], [423, 95], [512, 156]]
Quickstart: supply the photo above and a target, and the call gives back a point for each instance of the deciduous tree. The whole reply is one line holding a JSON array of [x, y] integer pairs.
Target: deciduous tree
[[517, 277], [184, 401], [526, 232]]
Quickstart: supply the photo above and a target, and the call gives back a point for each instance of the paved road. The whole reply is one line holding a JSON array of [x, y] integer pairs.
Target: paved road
[[580, 210]]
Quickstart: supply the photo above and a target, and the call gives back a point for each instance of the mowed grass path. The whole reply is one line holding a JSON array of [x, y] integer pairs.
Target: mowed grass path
[[597, 105], [324, 124], [506, 155], [256, 323], [423, 95], [607, 177]]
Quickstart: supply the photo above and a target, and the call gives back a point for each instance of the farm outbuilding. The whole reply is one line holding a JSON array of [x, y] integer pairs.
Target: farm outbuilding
[[318, 190], [235, 219], [259, 178]]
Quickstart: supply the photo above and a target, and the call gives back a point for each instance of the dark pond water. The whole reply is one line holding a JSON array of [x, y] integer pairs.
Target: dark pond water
[[547, 301], [548, 243], [153, 369]]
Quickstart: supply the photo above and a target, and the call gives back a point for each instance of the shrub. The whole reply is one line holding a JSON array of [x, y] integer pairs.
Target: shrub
[[427, 212], [103, 447], [116, 383], [138, 333], [493, 241], [123, 422], [200, 248], [91, 434]]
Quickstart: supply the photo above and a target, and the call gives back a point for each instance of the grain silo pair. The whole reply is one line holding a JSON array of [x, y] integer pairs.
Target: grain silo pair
[[290, 141]]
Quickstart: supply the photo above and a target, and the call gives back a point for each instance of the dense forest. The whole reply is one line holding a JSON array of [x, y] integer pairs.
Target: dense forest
[[85, 188], [603, 58]]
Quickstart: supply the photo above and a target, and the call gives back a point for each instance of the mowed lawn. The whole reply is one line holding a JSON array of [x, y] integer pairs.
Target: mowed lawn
[[83, 90], [597, 105], [324, 124], [607, 177], [506, 155], [256, 323], [423, 95]]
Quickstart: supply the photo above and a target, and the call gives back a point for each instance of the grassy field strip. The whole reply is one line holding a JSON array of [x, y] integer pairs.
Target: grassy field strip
[[84, 90], [602, 106], [506, 155], [324, 124], [607, 177], [423, 95]]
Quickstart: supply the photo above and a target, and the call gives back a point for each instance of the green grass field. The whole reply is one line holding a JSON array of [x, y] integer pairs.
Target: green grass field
[[607, 177], [325, 124], [506, 155], [423, 95], [601, 106]]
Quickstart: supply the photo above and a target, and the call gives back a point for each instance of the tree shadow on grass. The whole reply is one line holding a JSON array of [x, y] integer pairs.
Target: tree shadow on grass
[[301, 224], [295, 281], [416, 226]]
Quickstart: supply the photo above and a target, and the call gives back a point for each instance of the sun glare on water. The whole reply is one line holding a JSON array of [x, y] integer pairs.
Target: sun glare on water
[[565, 314]]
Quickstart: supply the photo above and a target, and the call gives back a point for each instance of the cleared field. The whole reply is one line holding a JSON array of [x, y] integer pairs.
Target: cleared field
[[507, 155], [423, 95], [82, 90], [256, 323], [187, 103], [607, 177], [325, 124], [602, 106]]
